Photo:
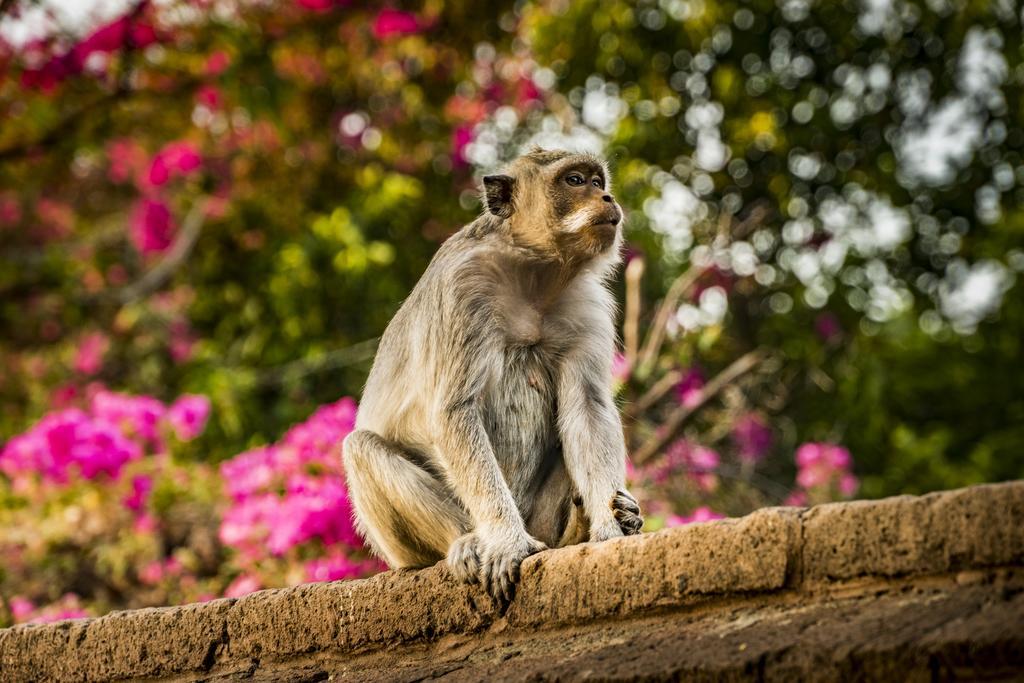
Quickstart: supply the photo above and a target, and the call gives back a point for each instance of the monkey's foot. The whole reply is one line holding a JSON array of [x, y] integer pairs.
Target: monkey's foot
[[500, 560], [627, 512], [464, 558]]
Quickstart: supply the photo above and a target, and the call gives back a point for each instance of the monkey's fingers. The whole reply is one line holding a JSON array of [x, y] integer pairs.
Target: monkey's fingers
[[624, 501], [629, 522], [485, 576]]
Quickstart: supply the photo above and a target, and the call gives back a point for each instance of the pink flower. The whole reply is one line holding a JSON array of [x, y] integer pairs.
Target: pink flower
[[796, 499], [827, 327], [182, 343], [217, 62], [136, 416], [821, 465], [337, 566], [21, 608], [209, 96], [752, 436], [10, 209], [243, 585], [68, 607], [292, 492], [65, 443], [701, 514], [188, 416], [848, 485], [176, 159], [91, 349], [151, 226], [145, 524], [315, 5], [141, 486], [152, 573], [620, 367], [689, 390], [127, 159], [391, 22], [461, 137]]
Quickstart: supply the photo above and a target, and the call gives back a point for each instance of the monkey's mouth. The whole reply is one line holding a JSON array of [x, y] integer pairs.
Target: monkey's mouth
[[607, 222]]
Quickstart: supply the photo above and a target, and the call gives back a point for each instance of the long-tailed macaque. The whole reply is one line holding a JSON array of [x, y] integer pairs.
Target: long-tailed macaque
[[487, 430]]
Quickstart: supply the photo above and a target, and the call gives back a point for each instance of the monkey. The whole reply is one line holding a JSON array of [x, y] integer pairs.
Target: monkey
[[487, 429]]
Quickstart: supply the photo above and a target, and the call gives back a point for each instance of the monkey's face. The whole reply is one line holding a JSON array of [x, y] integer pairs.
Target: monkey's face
[[557, 203], [586, 215]]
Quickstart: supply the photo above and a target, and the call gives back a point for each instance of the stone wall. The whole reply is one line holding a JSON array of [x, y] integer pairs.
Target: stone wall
[[906, 588]]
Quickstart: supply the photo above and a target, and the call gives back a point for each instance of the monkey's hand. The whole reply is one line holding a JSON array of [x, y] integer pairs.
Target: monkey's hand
[[501, 553], [627, 512], [624, 520]]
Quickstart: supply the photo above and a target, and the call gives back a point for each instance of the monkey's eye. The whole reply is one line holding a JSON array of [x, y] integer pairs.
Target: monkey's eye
[[575, 179], [596, 182]]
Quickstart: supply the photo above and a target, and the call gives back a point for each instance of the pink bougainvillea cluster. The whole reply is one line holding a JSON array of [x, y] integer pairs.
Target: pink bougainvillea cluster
[[283, 508], [293, 493], [823, 469], [98, 442]]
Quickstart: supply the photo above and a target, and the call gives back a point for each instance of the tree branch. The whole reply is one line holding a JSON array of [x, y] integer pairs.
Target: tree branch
[[182, 247], [679, 287], [682, 414]]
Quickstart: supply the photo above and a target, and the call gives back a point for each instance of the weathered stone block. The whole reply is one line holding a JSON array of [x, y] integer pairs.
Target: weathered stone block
[[940, 532]]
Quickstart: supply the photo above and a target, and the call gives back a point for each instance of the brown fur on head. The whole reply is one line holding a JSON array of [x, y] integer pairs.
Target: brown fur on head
[[557, 204]]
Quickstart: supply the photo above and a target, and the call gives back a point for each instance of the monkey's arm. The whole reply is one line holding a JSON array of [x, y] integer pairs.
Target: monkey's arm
[[591, 432], [467, 456]]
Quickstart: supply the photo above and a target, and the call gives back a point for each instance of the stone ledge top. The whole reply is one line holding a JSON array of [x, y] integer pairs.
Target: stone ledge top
[[774, 550]]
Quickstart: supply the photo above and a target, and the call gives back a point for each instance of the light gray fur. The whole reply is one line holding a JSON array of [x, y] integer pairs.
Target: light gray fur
[[487, 428]]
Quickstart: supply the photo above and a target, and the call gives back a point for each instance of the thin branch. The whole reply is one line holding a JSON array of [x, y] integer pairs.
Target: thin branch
[[631, 322], [655, 393], [657, 334], [182, 247], [338, 358], [682, 414]]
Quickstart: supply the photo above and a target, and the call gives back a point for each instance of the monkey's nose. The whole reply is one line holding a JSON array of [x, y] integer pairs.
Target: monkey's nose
[[607, 197]]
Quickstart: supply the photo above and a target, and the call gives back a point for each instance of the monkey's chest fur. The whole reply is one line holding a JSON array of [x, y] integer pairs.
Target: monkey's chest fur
[[520, 406]]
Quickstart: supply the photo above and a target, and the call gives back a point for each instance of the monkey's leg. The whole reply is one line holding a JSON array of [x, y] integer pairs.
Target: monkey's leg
[[407, 515], [557, 518]]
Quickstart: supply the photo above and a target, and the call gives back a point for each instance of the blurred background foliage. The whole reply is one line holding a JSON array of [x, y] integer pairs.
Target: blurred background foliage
[[230, 199]]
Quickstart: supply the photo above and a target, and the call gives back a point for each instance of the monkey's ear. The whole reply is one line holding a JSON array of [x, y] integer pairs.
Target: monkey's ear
[[498, 194]]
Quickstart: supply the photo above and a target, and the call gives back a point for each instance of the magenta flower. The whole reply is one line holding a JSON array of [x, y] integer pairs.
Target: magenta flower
[[292, 492], [91, 349], [752, 436], [136, 416], [217, 62], [188, 416], [67, 443], [689, 389], [827, 326], [825, 465], [21, 608], [315, 5], [152, 573], [390, 22], [176, 159], [461, 137], [620, 367], [701, 514], [150, 226], [337, 566], [10, 210], [141, 486], [127, 159], [243, 585]]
